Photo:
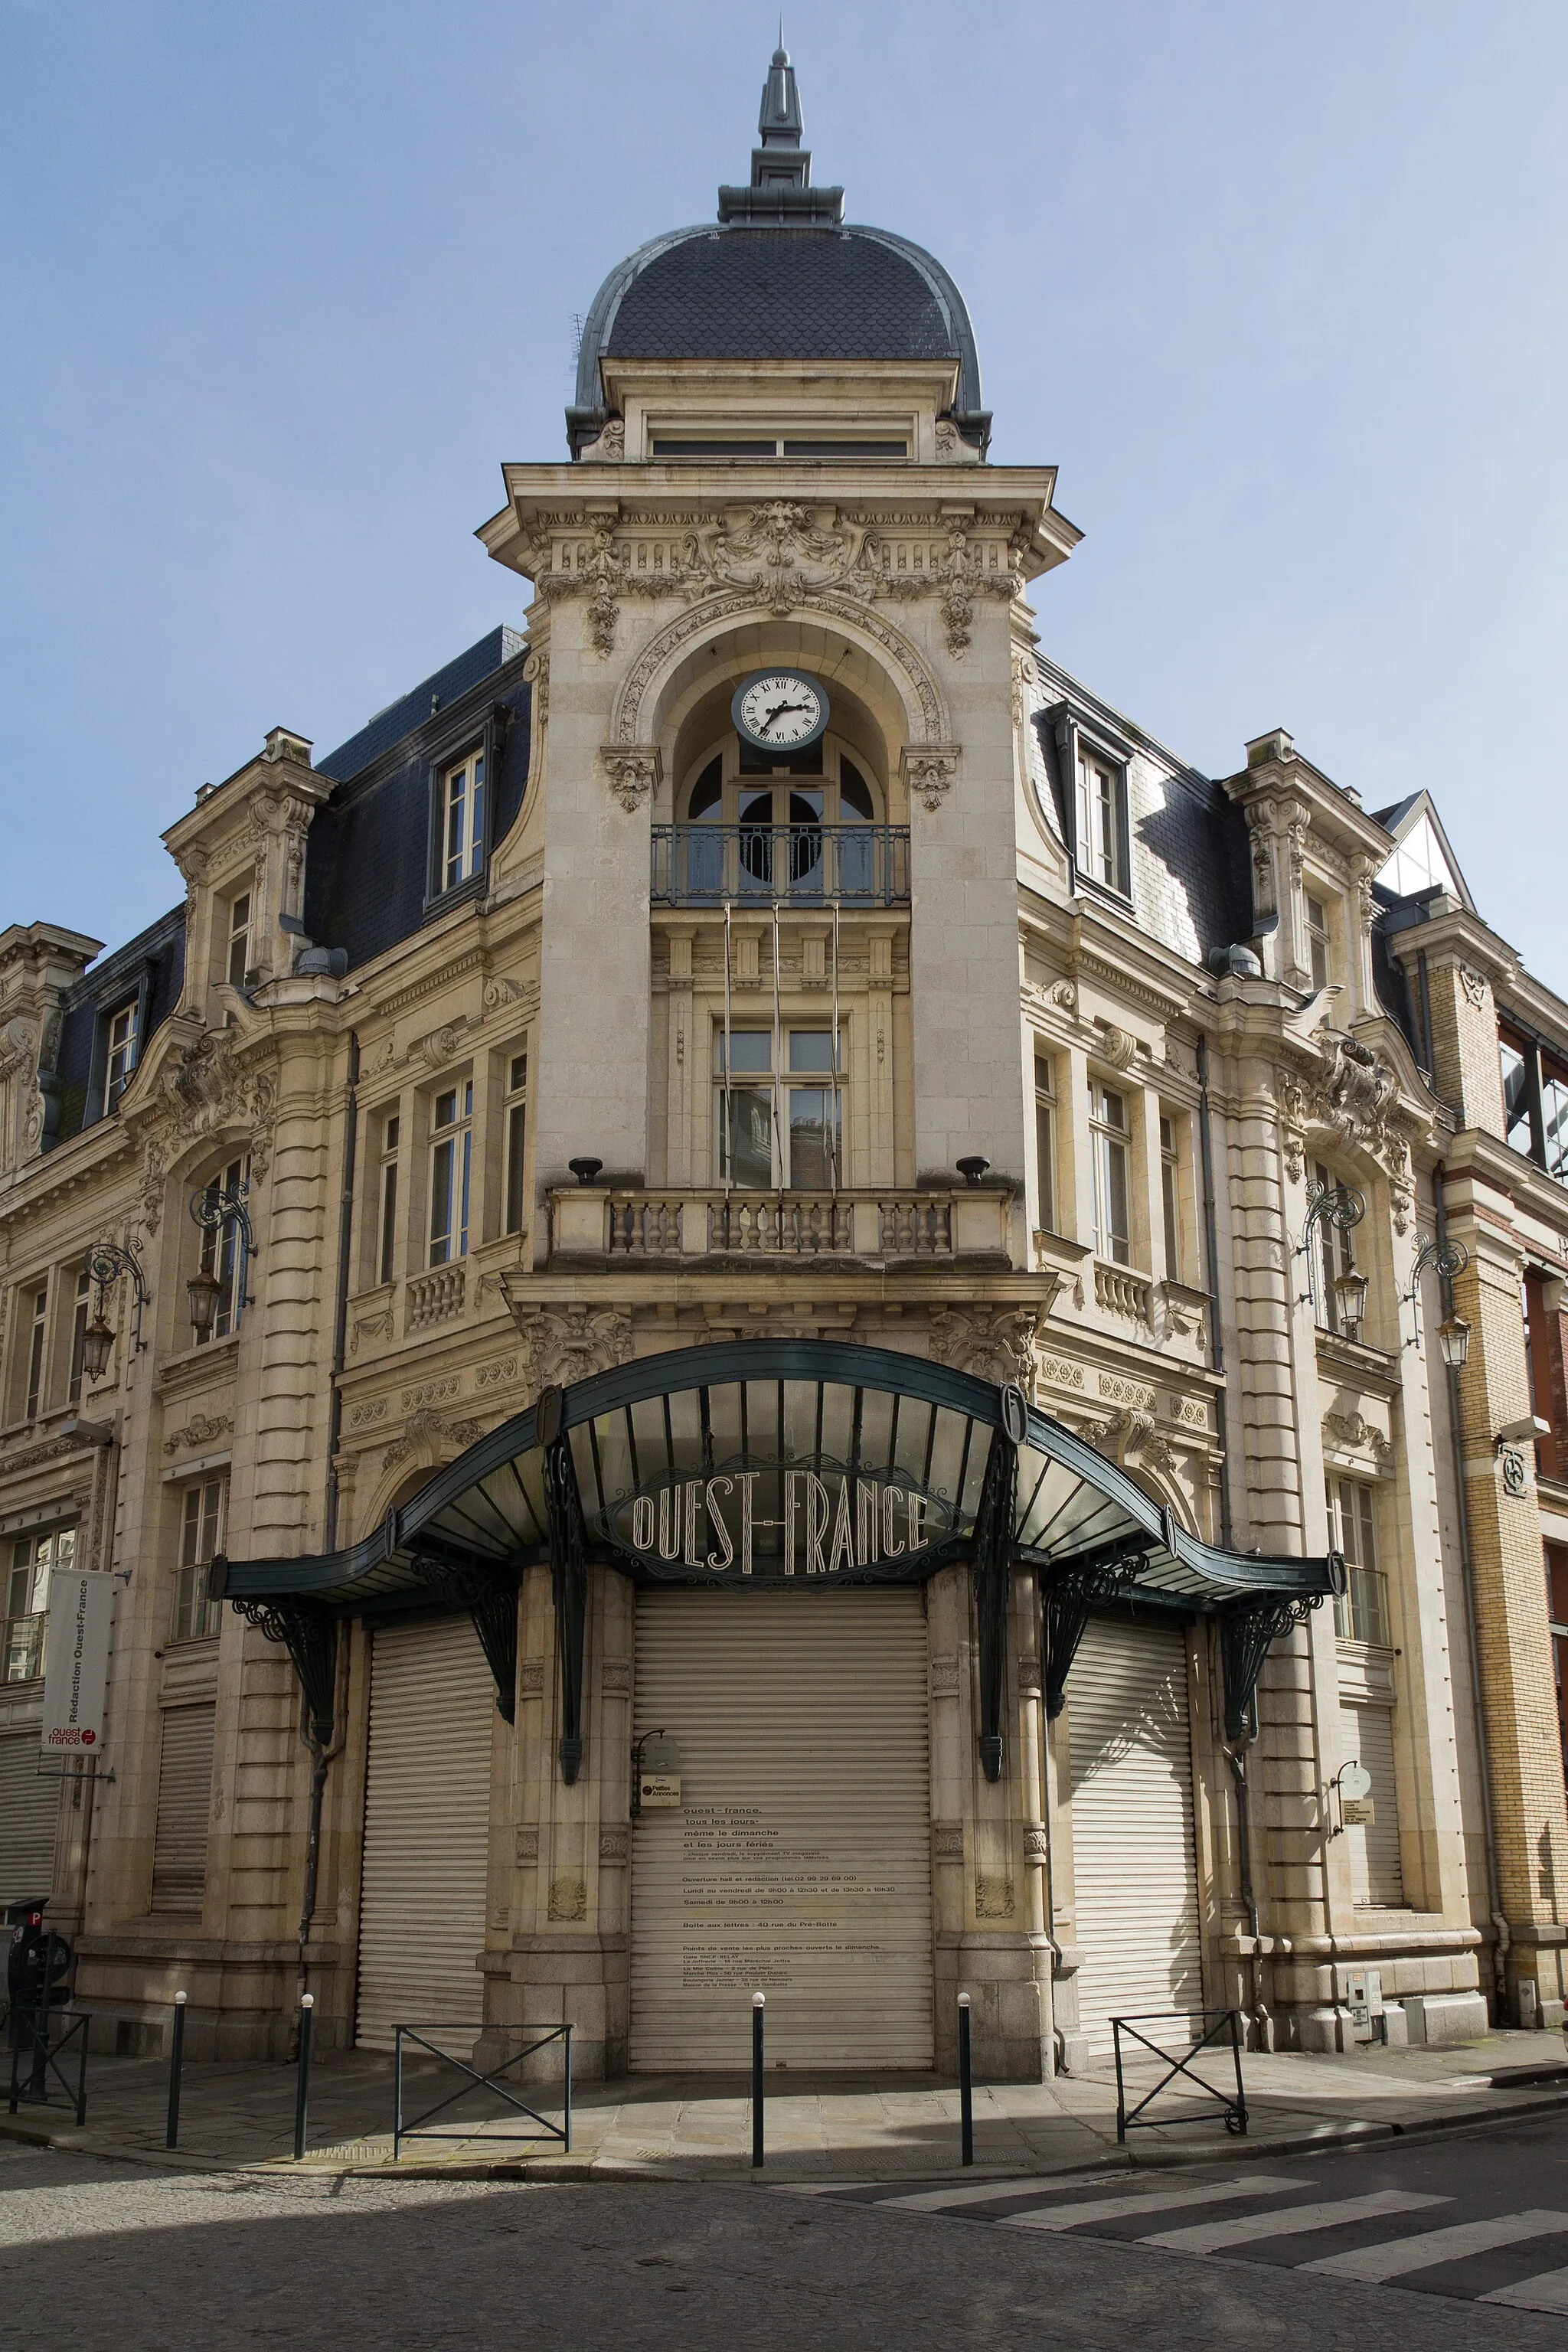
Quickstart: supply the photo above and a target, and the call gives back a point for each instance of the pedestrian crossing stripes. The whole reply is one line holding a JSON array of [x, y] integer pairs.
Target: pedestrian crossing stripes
[[1387, 2238]]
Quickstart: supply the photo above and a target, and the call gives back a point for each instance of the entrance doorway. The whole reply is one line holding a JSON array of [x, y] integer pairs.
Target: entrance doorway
[[798, 1862], [427, 1828]]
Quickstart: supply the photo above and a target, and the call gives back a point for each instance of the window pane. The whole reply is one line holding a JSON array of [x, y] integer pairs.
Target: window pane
[[1168, 1203], [810, 1049], [1554, 1117], [445, 1110], [441, 1203], [854, 793], [1515, 1096], [749, 1050], [1116, 1198], [516, 1137], [746, 1151], [1045, 1160], [388, 1220], [813, 1142]]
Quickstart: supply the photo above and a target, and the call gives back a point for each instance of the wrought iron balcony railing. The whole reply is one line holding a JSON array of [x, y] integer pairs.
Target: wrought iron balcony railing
[[789, 864]]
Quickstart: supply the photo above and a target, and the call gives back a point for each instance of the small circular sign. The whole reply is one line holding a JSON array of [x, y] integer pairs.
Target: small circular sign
[[1355, 1782]]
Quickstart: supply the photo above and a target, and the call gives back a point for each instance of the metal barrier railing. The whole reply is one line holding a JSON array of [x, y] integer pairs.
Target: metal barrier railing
[[475, 2079], [1227, 2026], [29, 2034]]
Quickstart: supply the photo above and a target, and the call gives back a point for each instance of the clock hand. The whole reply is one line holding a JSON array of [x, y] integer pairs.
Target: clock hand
[[782, 710]]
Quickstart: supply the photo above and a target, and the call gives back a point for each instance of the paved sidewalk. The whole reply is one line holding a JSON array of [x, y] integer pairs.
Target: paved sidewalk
[[828, 2128]]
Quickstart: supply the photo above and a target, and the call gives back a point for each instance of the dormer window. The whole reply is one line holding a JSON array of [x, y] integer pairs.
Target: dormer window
[[1101, 814], [461, 851], [122, 1061]]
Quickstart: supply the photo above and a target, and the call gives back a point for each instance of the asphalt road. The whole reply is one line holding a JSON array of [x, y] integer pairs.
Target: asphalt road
[[110, 2259]]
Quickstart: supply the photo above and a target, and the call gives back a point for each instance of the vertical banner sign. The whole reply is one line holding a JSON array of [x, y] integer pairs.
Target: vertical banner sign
[[75, 1683]]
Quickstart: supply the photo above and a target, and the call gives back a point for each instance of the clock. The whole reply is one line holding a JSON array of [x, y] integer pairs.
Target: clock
[[779, 710]]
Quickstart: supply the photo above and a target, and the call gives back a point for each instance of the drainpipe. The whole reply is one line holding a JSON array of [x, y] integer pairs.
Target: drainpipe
[[1211, 1237], [321, 1755], [1466, 1571], [1232, 1756]]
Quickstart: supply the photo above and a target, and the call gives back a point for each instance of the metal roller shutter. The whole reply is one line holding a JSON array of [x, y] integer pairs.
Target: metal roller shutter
[[799, 1862], [427, 1828], [1366, 1737], [185, 1808], [1133, 1859], [30, 1806]]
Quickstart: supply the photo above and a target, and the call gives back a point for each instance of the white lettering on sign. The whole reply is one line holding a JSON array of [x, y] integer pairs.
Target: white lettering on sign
[[828, 1524], [76, 1680]]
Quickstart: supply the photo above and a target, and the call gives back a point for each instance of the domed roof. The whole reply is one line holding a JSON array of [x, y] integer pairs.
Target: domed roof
[[779, 277]]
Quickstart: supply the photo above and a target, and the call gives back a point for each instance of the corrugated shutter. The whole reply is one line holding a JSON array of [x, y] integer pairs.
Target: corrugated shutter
[[1366, 1737], [427, 1830], [1133, 1859], [29, 1808], [799, 1862], [185, 1808]]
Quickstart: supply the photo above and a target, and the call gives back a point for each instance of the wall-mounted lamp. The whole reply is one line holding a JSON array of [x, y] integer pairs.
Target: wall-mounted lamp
[[584, 1170], [104, 1264], [1450, 1258], [1337, 1208], [216, 1208], [973, 1167]]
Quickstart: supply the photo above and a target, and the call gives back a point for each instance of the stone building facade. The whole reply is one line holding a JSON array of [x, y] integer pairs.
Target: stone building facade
[[563, 1050]]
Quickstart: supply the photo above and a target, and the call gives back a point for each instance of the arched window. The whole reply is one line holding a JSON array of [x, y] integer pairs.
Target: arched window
[[806, 828]]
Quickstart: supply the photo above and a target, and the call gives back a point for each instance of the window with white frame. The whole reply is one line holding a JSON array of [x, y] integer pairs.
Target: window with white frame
[[196, 1614], [1362, 1613], [1336, 1255], [784, 1126], [1046, 1141], [386, 1236], [37, 1341], [122, 1059], [220, 1253], [1109, 1148], [79, 1335], [1171, 1192], [1101, 819], [462, 821], [515, 1113], [237, 962], [34, 1559], [451, 1158], [1318, 943]]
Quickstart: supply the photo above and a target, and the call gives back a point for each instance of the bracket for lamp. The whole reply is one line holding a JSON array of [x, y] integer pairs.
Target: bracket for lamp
[[1449, 1259], [1338, 1207], [103, 1264], [214, 1206]]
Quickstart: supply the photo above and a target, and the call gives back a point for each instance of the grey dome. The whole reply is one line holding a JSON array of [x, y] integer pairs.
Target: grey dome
[[778, 277]]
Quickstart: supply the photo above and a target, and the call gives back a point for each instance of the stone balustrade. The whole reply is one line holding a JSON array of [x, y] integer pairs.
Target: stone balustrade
[[595, 1220], [433, 1298]]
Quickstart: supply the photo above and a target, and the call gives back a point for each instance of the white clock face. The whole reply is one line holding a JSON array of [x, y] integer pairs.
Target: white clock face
[[781, 708]]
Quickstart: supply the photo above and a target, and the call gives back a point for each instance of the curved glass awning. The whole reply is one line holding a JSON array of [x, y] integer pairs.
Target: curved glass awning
[[774, 1462]]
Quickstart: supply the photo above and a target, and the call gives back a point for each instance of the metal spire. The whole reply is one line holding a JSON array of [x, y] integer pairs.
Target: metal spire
[[781, 189]]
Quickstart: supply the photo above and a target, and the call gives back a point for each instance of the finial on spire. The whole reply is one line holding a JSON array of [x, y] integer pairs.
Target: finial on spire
[[780, 187]]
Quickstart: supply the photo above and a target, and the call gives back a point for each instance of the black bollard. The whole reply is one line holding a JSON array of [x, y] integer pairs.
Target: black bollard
[[303, 2097], [965, 2084], [759, 2009], [176, 2060]]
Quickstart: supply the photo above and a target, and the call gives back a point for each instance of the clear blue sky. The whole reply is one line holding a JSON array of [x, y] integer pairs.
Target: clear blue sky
[[1280, 290]]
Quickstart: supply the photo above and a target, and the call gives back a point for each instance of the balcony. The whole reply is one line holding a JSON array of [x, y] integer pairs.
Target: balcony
[[781, 865], [643, 1227]]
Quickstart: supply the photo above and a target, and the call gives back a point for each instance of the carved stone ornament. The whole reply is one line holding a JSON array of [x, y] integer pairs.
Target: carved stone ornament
[[994, 1898], [205, 1090], [1345, 1095], [929, 771], [1474, 984], [571, 1343], [1127, 1432], [1117, 1047], [634, 770], [947, 1840], [568, 1899], [1352, 1434], [427, 1433], [998, 1345], [201, 1429], [919, 682], [379, 1325]]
